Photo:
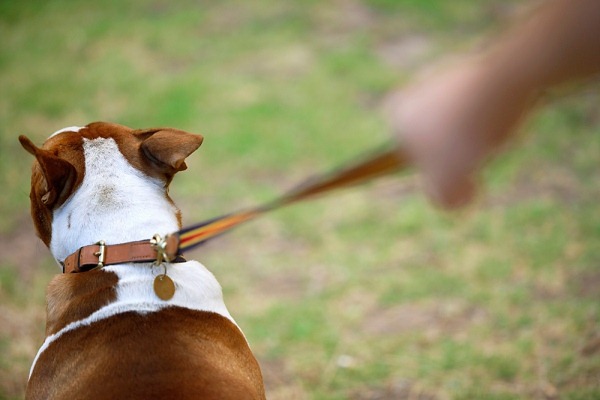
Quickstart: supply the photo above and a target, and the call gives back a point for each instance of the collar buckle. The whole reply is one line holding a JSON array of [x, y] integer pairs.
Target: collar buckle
[[101, 254]]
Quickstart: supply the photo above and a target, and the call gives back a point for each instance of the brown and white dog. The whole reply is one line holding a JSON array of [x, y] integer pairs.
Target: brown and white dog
[[108, 335]]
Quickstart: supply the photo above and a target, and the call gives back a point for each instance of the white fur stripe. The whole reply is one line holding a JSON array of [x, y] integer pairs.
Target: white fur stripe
[[103, 313], [196, 289]]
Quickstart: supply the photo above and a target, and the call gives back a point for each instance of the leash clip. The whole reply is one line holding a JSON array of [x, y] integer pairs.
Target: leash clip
[[159, 244], [164, 287]]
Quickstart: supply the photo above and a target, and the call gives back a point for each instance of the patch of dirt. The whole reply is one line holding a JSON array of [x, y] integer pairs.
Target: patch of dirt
[[22, 249], [279, 381], [405, 52], [431, 319], [284, 285], [339, 20], [397, 390], [587, 284], [591, 347], [558, 184], [21, 333]]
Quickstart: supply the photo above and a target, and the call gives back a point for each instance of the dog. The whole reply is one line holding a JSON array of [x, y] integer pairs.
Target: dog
[[109, 332]]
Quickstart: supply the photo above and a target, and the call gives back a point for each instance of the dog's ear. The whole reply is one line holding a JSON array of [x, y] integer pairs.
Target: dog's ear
[[168, 148], [58, 175]]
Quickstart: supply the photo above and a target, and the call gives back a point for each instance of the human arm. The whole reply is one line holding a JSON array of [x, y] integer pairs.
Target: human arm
[[453, 121]]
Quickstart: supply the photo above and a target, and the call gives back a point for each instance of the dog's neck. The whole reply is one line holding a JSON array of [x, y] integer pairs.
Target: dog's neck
[[115, 203]]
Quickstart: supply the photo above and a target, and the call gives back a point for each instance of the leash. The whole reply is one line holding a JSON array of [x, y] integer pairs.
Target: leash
[[379, 163], [168, 249]]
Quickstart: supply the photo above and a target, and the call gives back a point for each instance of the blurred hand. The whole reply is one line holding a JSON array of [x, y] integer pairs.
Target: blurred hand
[[451, 121]]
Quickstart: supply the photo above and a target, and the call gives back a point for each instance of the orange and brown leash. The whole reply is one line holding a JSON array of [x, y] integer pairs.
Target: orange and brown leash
[[382, 162]]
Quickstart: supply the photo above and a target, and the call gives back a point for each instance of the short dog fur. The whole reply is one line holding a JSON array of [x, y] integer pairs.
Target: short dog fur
[[108, 335]]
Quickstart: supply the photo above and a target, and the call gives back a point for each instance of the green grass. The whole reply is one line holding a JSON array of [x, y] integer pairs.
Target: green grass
[[370, 293]]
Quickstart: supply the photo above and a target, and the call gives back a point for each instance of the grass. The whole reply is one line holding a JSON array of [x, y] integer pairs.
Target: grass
[[367, 294]]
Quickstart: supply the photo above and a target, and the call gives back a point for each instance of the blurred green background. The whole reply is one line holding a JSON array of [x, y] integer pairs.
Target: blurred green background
[[367, 294]]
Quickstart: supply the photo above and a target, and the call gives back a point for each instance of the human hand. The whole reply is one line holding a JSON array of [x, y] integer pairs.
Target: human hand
[[452, 121]]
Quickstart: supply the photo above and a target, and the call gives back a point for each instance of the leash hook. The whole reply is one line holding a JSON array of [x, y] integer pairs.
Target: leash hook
[[160, 246], [164, 287]]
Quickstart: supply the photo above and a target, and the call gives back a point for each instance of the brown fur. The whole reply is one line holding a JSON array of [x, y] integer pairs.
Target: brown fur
[[72, 297], [175, 353]]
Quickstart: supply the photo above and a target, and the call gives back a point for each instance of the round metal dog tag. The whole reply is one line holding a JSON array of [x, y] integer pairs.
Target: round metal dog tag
[[164, 287]]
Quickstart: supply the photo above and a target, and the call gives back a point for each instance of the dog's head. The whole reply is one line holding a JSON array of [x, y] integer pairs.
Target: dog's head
[[59, 168]]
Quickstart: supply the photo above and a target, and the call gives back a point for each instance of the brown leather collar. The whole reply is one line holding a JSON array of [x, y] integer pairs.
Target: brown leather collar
[[98, 255]]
